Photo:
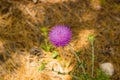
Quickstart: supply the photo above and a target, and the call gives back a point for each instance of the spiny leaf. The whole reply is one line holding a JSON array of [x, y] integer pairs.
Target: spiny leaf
[[42, 67], [55, 54]]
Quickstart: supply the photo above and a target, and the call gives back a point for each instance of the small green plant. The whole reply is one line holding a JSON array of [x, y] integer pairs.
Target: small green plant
[[55, 54], [92, 39], [79, 52], [46, 45], [42, 67], [77, 57], [101, 76]]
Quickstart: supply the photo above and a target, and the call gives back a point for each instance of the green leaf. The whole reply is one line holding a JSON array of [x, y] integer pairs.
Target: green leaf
[[79, 52], [44, 29], [44, 47], [48, 48], [91, 38], [55, 54], [42, 67], [45, 33], [59, 58], [101, 75]]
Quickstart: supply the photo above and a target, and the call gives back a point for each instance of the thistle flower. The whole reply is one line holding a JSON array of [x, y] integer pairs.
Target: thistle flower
[[60, 35]]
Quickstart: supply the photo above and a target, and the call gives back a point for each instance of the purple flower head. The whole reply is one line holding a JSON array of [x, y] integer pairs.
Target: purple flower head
[[60, 35]]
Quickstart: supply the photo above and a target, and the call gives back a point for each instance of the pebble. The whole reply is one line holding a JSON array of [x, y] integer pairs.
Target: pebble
[[108, 68]]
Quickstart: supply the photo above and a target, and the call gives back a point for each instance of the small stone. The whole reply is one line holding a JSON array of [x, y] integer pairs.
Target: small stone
[[107, 68]]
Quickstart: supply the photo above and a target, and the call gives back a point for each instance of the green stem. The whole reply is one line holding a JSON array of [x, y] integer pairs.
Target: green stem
[[93, 58], [83, 69]]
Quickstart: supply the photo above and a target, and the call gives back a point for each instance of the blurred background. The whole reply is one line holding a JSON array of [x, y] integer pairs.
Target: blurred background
[[22, 39]]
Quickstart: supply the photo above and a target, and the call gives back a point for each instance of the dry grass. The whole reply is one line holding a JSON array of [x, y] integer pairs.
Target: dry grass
[[20, 23], [26, 67]]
